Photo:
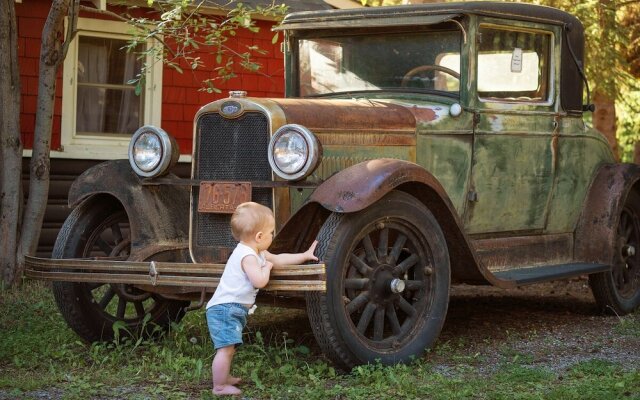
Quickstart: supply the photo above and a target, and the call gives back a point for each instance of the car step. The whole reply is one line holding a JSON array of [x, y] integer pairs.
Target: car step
[[531, 275]]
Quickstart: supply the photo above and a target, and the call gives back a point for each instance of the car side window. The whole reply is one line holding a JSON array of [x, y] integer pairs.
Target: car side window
[[514, 65]]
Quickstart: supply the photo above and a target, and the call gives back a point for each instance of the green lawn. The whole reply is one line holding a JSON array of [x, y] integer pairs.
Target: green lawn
[[39, 353]]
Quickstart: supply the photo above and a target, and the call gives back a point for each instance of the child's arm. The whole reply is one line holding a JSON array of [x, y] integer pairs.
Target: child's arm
[[293, 258], [257, 274]]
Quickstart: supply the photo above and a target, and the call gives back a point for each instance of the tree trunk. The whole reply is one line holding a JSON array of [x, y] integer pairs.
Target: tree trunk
[[604, 119], [10, 144], [52, 53]]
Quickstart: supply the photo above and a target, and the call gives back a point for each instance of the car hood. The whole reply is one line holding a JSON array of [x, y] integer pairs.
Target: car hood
[[358, 115]]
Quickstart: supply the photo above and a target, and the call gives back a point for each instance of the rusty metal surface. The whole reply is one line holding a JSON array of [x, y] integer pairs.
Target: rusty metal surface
[[357, 187], [597, 227], [499, 254], [297, 278], [156, 215], [346, 116]]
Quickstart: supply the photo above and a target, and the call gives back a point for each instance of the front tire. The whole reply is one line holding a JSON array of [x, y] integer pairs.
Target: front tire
[[100, 228], [388, 279], [618, 291]]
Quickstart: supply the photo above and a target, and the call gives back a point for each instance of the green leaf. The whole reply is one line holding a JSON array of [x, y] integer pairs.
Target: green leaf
[[256, 380], [176, 67], [274, 39]]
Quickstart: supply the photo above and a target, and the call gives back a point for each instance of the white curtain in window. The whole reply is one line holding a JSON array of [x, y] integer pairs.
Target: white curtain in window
[[129, 110], [93, 67]]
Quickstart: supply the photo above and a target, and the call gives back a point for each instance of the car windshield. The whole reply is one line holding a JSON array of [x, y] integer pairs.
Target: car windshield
[[407, 61]]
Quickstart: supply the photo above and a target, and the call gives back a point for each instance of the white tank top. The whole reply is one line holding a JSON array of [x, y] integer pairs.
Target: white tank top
[[235, 286]]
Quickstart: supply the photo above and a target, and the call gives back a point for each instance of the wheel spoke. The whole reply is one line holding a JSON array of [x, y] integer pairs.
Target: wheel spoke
[[413, 285], [106, 299], [104, 246], [383, 243], [378, 324], [365, 319], [406, 264], [406, 307], [354, 283], [122, 306], [117, 233], [369, 250], [139, 308], [355, 304], [362, 267], [397, 248], [617, 277], [393, 319]]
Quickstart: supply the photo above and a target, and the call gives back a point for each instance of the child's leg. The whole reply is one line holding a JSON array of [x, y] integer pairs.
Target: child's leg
[[220, 368]]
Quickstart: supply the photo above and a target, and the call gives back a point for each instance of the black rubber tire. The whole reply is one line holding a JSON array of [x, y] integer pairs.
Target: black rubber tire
[[99, 227], [406, 243], [618, 291]]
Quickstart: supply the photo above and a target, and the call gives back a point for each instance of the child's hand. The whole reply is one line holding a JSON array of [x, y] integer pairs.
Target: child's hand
[[309, 253], [268, 265]]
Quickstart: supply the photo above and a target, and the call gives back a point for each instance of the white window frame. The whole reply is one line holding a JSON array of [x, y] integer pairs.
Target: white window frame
[[101, 147]]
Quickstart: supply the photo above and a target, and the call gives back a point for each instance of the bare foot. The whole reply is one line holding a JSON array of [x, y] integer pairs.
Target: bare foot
[[226, 390], [232, 380]]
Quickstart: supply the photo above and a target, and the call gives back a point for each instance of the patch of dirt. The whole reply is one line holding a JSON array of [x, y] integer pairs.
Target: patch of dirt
[[552, 325]]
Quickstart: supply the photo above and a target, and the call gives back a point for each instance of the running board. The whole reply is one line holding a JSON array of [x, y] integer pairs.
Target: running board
[[531, 275]]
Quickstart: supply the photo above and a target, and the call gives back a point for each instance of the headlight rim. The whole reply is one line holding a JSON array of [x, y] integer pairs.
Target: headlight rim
[[169, 152], [314, 152]]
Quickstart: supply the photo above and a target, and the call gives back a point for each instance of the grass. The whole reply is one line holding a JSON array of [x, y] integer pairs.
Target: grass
[[39, 352]]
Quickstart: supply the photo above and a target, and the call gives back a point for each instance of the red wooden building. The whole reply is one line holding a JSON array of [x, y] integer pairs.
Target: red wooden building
[[96, 111]]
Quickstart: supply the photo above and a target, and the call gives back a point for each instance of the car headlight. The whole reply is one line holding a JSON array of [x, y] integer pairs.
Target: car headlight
[[294, 152], [152, 152]]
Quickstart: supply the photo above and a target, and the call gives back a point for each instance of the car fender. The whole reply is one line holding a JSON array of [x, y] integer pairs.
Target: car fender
[[359, 186], [158, 214], [595, 235]]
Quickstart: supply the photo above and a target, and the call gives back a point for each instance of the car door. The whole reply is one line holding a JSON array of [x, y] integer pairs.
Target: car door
[[512, 166]]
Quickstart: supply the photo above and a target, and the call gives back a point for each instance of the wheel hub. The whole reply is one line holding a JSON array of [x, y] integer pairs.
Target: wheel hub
[[628, 250], [384, 285]]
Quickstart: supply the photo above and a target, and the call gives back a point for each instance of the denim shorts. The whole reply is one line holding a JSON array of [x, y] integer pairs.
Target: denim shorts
[[226, 322]]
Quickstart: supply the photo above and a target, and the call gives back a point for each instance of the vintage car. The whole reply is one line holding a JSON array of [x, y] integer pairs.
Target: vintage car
[[422, 146]]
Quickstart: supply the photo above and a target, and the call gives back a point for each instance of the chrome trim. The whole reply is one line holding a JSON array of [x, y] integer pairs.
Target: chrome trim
[[313, 157], [169, 151]]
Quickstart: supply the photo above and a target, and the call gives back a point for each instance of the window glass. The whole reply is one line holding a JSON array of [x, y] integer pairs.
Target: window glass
[[106, 102], [513, 65], [385, 61]]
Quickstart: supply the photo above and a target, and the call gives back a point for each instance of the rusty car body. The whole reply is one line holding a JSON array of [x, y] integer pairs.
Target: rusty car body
[[422, 146]]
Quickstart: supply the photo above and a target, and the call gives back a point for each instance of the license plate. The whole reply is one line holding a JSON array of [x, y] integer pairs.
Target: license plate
[[223, 197]]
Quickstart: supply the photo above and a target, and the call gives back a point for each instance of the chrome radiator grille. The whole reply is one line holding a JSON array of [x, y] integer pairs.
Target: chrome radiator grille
[[228, 150]]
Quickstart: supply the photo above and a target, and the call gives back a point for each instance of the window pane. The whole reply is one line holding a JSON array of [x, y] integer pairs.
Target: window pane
[[513, 65], [108, 111], [106, 103], [388, 61], [104, 60]]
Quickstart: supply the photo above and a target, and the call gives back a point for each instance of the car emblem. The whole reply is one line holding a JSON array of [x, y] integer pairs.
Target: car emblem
[[231, 109]]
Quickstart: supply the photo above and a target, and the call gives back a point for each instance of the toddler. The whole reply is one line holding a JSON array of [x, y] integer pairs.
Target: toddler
[[247, 270]]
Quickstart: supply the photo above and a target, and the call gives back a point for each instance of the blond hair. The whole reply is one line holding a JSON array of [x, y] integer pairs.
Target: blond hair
[[248, 219]]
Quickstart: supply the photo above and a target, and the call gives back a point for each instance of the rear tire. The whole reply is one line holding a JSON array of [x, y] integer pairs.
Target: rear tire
[[101, 228], [618, 291], [388, 279]]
